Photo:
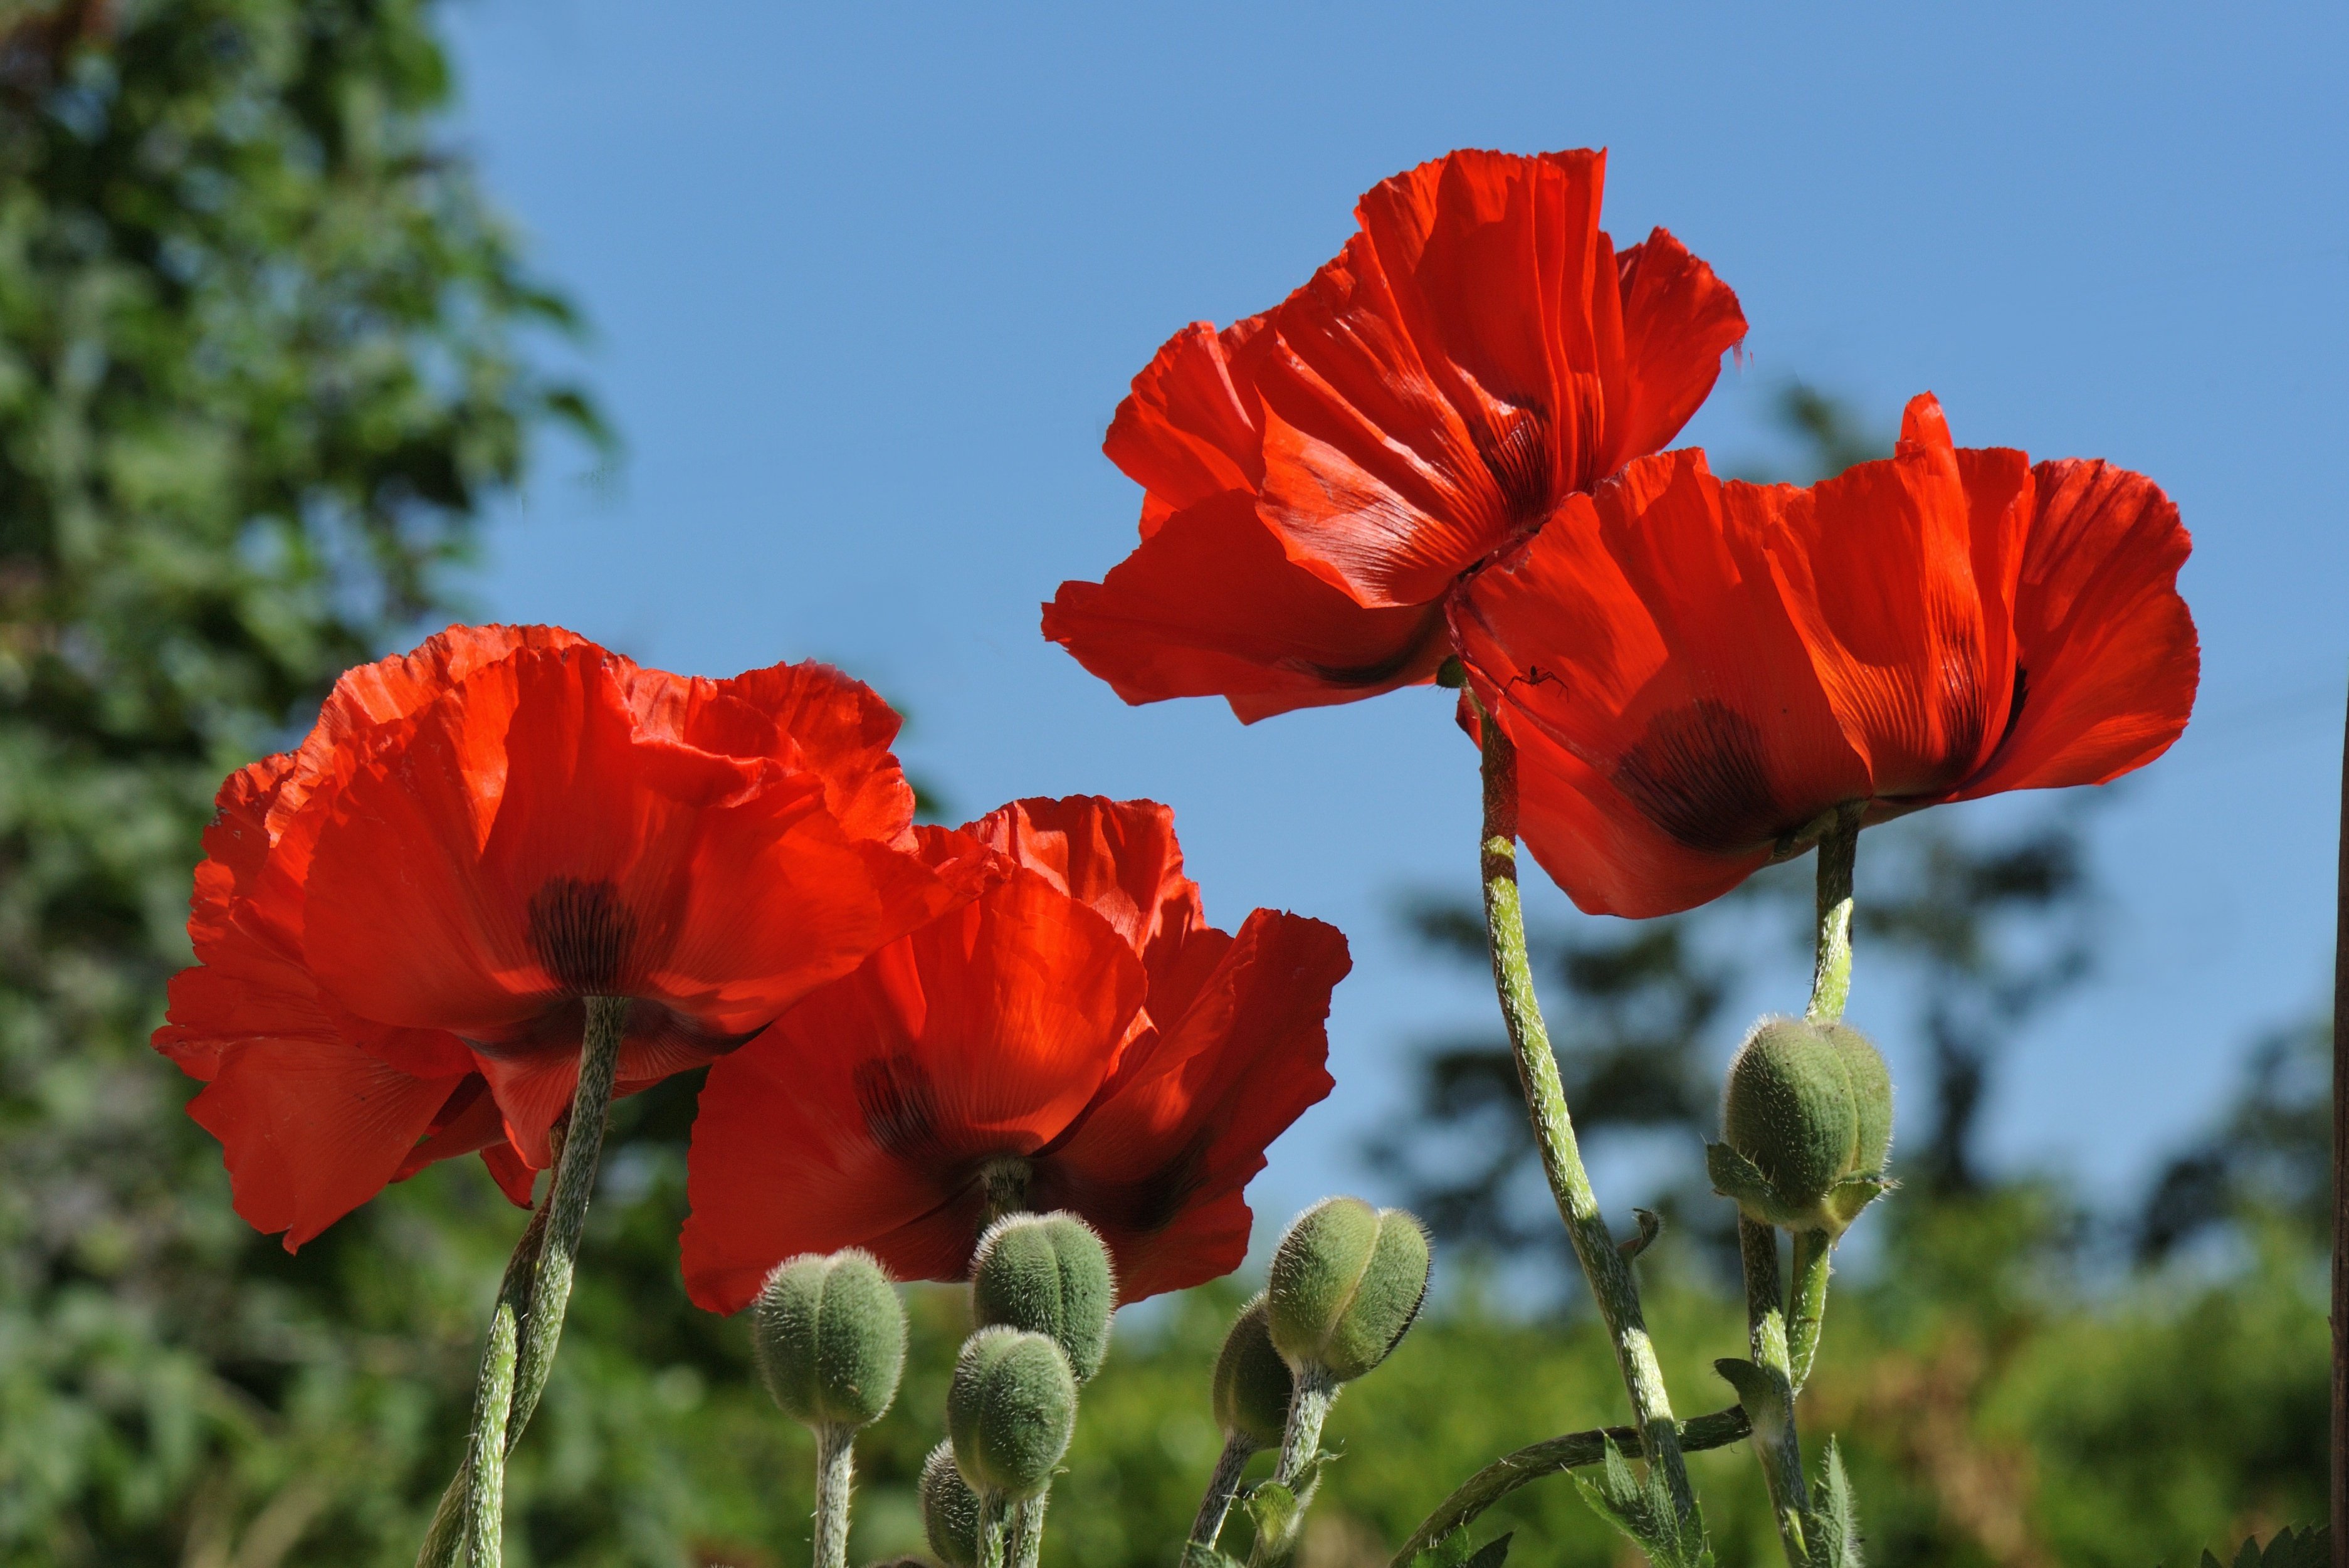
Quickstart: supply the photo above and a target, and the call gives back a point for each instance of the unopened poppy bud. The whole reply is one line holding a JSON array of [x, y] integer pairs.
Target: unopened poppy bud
[[1009, 1411], [1346, 1279], [949, 1510], [1253, 1384], [1050, 1275], [830, 1338], [1807, 1123]]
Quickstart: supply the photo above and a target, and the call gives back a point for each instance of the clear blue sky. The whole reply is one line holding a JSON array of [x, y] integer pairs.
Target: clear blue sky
[[867, 283]]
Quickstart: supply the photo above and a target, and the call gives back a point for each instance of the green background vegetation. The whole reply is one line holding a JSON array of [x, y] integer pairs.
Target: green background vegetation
[[264, 357]]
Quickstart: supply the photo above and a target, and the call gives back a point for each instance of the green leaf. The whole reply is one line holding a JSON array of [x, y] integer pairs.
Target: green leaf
[[1642, 1509], [1835, 1522]]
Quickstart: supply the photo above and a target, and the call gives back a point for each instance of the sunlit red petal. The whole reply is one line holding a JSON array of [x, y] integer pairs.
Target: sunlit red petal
[[312, 1127], [880, 1097], [1665, 709], [1159, 1161], [1193, 427], [2109, 661], [1896, 574], [1210, 605]]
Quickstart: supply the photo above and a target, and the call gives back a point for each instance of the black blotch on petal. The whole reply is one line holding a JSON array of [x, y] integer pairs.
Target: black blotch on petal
[[583, 936], [1698, 775]]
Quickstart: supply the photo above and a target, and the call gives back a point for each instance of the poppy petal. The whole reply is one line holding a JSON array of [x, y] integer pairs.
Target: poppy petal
[[983, 1033], [1120, 857], [1193, 427], [1668, 722], [1159, 1161], [1897, 574], [2106, 650], [1678, 319], [1210, 605], [312, 1127]]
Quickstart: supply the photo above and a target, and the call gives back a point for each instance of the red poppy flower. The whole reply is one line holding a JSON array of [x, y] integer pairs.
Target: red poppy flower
[[1077, 1038], [397, 924], [1694, 672], [1319, 476]]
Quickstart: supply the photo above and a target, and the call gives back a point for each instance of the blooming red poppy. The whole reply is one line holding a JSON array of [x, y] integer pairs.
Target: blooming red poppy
[[1694, 672], [1077, 1038], [397, 924], [1318, 477]]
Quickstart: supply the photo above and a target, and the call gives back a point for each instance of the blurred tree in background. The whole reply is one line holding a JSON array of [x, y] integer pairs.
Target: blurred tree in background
[[264, 357], [259, 373]]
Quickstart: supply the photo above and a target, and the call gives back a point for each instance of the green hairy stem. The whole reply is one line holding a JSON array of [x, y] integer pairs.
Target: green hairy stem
[[1024, 1540], [1831, 970], [992, 1520], [485, 1490], [1222, 1488], [537, 1288], [1612, 1283], [441, 1540], [1556, 1455], [835, 1467], [1776, 1441]]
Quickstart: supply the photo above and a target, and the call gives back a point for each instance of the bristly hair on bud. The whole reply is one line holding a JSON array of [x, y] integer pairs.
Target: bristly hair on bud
[[829, 1338], [1253, 1384], [1346, 1282], [1011, 1410], [1806, 1125], [1048, 1274], [949, 1510]]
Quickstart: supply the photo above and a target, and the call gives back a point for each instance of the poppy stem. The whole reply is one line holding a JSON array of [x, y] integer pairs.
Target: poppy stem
[[1222, 1488], [536, 1278], [485, 1490], [1831, 975], [1026, 1532], [444, 1540], [1776, 1442], [1612, 1283], [992, 1510], [836, 1469], [566, 1204], [1277, 1533]]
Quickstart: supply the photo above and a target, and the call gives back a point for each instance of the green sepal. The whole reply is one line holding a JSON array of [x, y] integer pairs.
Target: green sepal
[[1764, 1394], [1642, 1509], [1277, 1514], [1849, 1197], [1834, 1525], [1741, 1181]]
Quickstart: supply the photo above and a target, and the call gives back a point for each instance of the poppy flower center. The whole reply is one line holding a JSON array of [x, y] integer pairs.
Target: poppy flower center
[[583, 936], [1698, 775]]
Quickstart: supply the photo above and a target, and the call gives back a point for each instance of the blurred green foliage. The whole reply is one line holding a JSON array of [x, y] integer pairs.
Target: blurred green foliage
[[263, 358]]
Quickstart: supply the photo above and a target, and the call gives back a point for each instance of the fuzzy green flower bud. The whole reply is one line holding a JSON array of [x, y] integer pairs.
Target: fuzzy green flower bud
[[1009, 1411], [1346, 1281], [1253, 1384], [830, 1338], [949, 1510], [1807, 1123], [1050, 1275]]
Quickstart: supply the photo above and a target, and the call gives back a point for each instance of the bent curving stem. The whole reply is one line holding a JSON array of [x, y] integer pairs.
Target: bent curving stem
[[1610, 1273], [536, 1290]]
